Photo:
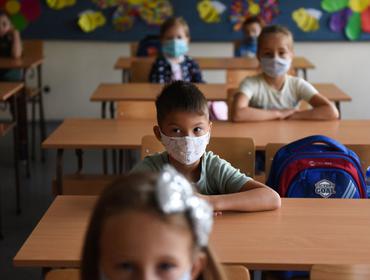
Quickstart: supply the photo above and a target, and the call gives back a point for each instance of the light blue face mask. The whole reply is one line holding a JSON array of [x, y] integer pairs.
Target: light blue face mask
[[175, 48], [275, 67]]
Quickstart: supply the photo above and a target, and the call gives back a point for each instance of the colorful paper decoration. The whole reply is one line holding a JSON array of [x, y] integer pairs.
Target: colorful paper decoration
[[88, 21], [350, 16], [307, 19], [267, 10], [153, 12], [210, 11], [21, 12], [60, 4]]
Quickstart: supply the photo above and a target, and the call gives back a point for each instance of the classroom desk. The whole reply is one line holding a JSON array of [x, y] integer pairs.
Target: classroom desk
[[10, 92], [31, 57], [215, 63], [302, 233], [79, 134], [146, 92], [114, 92]]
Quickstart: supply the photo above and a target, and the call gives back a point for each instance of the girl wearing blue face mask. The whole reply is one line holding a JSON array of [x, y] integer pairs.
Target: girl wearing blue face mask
[[274, 94], [173, 63], [251, 29], [150, 226]]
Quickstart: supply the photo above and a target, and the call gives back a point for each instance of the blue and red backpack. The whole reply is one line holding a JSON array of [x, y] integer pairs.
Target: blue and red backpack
[[317, 167]]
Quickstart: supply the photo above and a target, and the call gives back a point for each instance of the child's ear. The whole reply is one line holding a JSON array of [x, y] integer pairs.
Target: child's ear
[[157, 132], [210, 126], [199, 265]]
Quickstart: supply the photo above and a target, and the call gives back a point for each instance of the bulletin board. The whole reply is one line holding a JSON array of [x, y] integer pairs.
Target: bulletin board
[[309, 20]]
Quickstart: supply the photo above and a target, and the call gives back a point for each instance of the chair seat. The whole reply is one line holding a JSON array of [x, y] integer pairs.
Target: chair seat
[[32, 92], [5, 128]]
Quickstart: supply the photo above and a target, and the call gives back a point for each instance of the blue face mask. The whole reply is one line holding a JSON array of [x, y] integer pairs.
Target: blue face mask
[[175, 48], [275, 67]]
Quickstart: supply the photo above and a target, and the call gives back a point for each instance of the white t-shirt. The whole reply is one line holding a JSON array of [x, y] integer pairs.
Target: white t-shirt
[[262, 95]]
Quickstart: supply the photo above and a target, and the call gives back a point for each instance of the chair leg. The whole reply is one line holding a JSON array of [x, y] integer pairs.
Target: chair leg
[[42, 124], [33, 128], [16, 173], [1, 219]]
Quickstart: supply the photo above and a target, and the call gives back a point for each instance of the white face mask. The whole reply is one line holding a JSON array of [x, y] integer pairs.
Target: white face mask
[[275, 67], [186, 150]]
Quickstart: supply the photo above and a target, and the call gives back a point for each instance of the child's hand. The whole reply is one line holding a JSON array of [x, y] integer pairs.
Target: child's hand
[[217, 213]]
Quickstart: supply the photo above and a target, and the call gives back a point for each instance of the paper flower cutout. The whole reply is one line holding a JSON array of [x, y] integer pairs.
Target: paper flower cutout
[[267, 10], [88, 21], [153, 12], [21, 12], [60, 4], [350, 16]]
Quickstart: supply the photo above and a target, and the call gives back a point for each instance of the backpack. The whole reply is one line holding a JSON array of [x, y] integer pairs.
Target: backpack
[[149, 46], [317, 167]]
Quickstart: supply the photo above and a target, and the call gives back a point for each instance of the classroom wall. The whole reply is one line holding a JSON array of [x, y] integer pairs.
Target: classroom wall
[[74, 69]]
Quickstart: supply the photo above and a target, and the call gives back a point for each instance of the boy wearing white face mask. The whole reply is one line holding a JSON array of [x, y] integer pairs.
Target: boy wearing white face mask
[[173, 63], [274, 94], [184, 129]]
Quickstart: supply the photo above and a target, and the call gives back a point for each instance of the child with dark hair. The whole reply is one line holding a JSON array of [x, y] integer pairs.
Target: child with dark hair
[[10, 46], [251, 29], [173, 63], [184, 130]]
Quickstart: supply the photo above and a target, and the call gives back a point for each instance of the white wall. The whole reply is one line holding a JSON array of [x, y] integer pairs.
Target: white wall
[[74, 69]]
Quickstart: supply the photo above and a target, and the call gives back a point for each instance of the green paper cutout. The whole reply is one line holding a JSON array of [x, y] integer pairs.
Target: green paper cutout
[[19, 22], [353, 27], [332, 6]]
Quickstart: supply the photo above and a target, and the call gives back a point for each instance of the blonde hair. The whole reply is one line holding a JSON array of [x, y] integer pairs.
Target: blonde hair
[[274, 29], [174, 21], [133, 192]]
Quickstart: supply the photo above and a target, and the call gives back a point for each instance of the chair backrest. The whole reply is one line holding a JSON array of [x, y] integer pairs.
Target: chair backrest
[[236, 272], [133, 48], [363, 151], [235, 77], [340, 272], [140, 71], [241, 155], [233, 272], [230, 99], [33, 47], [63, 274]]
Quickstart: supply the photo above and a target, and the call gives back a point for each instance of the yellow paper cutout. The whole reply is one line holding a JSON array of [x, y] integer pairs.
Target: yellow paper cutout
[[12, 7], [60, 4], [254, 9], [90, 20], [135, 2], [358, 5], [307, 19], [210, 11]]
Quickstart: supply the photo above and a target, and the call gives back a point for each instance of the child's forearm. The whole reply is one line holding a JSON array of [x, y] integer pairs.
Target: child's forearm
[[258, 199], [17, 45], [325, 112], [253, 114]]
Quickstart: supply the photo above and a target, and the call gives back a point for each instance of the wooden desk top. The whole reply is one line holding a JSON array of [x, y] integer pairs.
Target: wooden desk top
[[29, 60], [98, 133], [8, 89], [149, 92], [216, 63], [214, 92], [302, 233]]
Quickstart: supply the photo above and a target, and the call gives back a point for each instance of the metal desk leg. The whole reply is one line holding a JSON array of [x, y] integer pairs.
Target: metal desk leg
[[16, 156], [59, 171], [114, 152], [41, 111], [337, 104], [304, 74], [79, 154], [105, 153]]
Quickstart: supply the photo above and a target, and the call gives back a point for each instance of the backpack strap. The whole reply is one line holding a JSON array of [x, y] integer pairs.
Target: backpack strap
[[302, 143]]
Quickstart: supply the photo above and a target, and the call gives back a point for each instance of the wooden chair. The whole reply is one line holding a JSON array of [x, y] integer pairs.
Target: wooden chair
[[34, 94], [133, 48], [137, 109], [63, 274], [241, 156], [236, 272], [340, 272]]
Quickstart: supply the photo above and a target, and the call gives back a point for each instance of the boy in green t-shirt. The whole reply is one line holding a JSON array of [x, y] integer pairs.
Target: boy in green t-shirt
[[184, 129]]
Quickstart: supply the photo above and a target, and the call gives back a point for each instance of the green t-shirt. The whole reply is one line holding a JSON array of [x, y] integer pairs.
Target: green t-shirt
[[217, 175]]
